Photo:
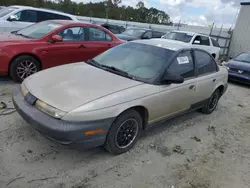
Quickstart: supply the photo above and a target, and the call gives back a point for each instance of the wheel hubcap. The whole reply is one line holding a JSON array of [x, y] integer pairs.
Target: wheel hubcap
[[213, 101], [126, 133], [25, 69]]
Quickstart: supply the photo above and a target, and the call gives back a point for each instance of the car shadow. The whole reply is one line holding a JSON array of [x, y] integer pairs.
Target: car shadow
[[6, 79], [247, 86], [175, 122], [164, 126]]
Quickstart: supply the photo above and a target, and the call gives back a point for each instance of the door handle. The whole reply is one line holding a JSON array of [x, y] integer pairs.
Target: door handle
[[192, 87], [214, 80], [109, 45], [82, 46]]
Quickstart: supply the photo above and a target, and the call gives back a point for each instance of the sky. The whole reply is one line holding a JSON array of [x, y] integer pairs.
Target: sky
[[193, 12]]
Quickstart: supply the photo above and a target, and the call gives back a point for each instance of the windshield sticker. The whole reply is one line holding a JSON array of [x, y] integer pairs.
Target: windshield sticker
[[182, 60]]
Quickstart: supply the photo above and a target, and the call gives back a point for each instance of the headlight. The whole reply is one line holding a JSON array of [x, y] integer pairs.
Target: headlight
[[224, 64], [50, 110], [24, 90]]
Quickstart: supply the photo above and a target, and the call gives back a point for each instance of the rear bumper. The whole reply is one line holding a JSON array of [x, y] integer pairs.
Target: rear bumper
[[239, 78], [63, 132]]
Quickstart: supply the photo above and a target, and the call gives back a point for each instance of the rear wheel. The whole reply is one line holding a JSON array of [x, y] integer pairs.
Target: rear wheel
[[124, 132], [22, 67], [212, 102]]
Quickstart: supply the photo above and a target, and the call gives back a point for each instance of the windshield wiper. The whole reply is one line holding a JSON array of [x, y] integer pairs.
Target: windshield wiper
[[119, 71], [16, 33], [115, 69], [110, 68], [13, 32], [93, 62]]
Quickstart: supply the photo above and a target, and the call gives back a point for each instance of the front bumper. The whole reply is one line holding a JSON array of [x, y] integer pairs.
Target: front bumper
[[238, 77], [63, 132]]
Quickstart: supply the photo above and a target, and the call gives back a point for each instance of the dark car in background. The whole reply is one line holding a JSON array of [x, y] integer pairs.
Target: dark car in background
[[116, 29], [138, 33], [239, 68]]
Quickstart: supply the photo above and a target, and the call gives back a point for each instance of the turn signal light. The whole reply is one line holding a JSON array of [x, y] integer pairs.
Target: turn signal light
[[94, 132]]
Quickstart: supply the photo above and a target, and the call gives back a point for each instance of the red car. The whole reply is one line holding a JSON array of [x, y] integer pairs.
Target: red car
[[51, 43]]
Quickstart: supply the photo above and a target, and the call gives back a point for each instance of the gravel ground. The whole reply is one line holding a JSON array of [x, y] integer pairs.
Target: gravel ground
[[191, 151]]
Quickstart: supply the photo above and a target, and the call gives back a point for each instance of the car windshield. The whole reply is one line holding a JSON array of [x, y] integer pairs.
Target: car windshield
[[5, 11], [140, 61], [244, 57], [184, 37], [38, 30], [134, 32]]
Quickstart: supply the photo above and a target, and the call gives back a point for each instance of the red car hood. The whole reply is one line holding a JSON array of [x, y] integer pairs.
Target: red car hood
[[8, 37]]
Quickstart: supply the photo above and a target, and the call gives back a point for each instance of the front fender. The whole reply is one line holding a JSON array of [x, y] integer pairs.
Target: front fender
[[114, 104]]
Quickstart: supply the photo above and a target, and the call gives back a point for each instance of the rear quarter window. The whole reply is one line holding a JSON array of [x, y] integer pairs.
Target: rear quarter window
[[43, 16]]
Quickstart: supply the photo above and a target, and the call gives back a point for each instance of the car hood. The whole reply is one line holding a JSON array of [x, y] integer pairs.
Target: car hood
[[126, 37], [239, 65], [70, 86], [8, 37]]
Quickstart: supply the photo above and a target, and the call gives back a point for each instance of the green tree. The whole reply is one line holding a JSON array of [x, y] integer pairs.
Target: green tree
[[106, 9]]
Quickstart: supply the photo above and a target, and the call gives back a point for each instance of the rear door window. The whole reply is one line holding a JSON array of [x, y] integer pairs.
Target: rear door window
[[96, 34], [205, 63], [215, 43], [201, 40]]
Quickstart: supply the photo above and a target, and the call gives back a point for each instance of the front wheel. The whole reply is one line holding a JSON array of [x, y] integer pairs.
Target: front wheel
[[212, 103], [22, 67], [124, 132]]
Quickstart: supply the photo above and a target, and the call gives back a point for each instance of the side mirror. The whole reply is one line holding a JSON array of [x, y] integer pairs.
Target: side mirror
[[230, 57], [172, 79], [13, 18], [56, 38], [197, 42]]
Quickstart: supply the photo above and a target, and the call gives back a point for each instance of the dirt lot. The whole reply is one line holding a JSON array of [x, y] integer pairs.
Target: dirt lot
[[192, 151]]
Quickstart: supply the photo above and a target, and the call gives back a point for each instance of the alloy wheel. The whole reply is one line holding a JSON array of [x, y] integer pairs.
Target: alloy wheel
[[25, 69], [213, 101], [126, 133]]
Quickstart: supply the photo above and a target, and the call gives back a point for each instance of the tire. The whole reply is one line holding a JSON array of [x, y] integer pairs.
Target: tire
[[22, 63], [212, 102], [117, 145]]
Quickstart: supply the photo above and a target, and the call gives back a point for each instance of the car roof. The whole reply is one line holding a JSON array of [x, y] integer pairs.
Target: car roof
[[42, 9], [66, 22], [138, 28], [190, 33], [164, 43]]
